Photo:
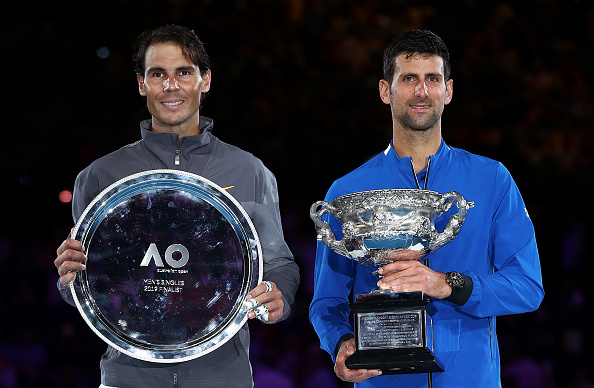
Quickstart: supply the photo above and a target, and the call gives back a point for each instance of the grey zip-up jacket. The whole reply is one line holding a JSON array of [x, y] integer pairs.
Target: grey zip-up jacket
[[254, 186]]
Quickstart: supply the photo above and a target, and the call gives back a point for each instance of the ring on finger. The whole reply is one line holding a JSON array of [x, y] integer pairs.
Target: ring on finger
[[262, 312], [268, 285], [250, 304]]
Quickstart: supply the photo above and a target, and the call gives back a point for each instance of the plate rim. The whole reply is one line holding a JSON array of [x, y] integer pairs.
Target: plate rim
[[239, 318]]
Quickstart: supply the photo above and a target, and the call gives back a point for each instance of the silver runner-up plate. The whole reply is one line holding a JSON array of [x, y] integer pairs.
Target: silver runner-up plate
[[171, 259]]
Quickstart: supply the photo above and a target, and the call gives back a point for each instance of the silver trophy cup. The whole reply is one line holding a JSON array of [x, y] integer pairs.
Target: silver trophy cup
[[390, 326], [377, 221]]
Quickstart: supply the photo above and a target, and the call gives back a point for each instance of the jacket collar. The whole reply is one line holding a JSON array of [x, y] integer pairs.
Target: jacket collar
[[200, 143], [404, 168]]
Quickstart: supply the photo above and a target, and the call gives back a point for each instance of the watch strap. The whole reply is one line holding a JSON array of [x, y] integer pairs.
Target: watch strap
[[460, 295]]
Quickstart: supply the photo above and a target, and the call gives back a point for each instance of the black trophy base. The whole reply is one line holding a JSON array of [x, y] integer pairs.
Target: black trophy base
[[391, 333], [392, 362]]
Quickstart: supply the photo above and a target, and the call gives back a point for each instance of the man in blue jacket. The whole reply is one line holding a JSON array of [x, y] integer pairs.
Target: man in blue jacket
[[493, 263]]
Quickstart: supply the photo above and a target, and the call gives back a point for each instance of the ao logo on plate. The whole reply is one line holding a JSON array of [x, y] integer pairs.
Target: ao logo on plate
[[152, 253]]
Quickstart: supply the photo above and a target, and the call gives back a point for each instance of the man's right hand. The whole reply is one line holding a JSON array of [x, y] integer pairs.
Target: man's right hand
[[70, 259], [352, 375]]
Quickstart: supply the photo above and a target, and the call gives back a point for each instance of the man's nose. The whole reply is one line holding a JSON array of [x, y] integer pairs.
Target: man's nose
[[170, 84], [421, 90]]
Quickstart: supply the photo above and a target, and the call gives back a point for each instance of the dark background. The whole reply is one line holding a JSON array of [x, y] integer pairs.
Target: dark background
[[296, 83]]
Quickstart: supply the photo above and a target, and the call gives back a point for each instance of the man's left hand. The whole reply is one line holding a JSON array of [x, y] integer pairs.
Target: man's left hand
[[412, 275], [273, 300]]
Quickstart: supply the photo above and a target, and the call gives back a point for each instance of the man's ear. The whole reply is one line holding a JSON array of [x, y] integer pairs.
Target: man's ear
[[206, 79], [384, 91], [449, 91], [140, 80]]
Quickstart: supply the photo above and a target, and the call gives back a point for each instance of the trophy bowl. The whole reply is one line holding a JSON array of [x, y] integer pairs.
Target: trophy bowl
[[171, 259], [378, 221]]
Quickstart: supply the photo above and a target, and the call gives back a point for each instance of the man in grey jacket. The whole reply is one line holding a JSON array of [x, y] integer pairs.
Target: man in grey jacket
[[173, 73]]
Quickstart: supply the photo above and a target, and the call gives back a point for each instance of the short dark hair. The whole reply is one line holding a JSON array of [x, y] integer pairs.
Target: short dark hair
[[411, 42], [191, 46]]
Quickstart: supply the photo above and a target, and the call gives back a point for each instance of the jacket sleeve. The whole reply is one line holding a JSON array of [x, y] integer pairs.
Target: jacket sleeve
[[279, 265], [515, 286], [333, 281]]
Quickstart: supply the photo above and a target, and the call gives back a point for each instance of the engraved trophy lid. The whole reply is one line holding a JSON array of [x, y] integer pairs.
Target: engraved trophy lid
[[171, 258]]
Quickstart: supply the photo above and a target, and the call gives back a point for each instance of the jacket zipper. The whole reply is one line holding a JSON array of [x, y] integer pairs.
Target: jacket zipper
[[426, 174], [490, 324], [175, 376], [176, 159], [490, 339], [177, 152]]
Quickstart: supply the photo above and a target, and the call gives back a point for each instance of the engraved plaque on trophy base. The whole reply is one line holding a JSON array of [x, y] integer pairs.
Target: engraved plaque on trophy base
[[391, 333]]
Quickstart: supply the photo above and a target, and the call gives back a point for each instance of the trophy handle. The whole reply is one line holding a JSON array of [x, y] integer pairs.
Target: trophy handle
[[323, 229], [453, 227]]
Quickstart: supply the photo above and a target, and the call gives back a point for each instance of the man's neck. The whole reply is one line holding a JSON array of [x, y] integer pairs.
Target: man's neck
[[182, 130], [418, 145]]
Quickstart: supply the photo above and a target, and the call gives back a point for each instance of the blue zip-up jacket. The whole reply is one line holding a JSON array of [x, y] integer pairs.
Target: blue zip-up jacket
[[496, 248]]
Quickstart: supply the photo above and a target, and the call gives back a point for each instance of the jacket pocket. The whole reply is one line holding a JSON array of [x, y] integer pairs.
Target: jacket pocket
[[447, 340], [447, 335]]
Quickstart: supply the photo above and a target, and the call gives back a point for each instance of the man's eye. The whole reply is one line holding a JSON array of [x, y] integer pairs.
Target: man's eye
[[157, 74], [409, 79], [433, 79]]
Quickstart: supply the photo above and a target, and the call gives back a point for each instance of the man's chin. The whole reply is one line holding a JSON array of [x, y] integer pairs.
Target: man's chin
[[171, 121], [420, 125]]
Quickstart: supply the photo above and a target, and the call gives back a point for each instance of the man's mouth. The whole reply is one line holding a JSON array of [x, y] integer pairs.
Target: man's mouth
[[420, 107], [173, 103]]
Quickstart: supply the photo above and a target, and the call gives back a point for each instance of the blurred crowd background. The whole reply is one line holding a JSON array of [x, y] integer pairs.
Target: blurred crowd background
[[296, 83]]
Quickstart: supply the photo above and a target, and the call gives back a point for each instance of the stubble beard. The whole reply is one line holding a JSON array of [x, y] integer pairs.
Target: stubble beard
[[421, 124], [174, 123]]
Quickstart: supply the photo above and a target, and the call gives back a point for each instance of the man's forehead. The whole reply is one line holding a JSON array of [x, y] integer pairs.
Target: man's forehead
[[407, 60], [167, 54]]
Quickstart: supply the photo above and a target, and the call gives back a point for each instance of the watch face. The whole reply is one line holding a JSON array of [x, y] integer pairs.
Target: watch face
[[171, 259], [455, 279]]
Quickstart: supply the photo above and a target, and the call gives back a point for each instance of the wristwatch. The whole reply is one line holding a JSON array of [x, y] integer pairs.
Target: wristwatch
[[456, 280], [462, 287]]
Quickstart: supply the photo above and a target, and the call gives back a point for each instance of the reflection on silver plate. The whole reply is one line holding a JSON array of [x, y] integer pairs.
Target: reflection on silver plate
[[171, 258]]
